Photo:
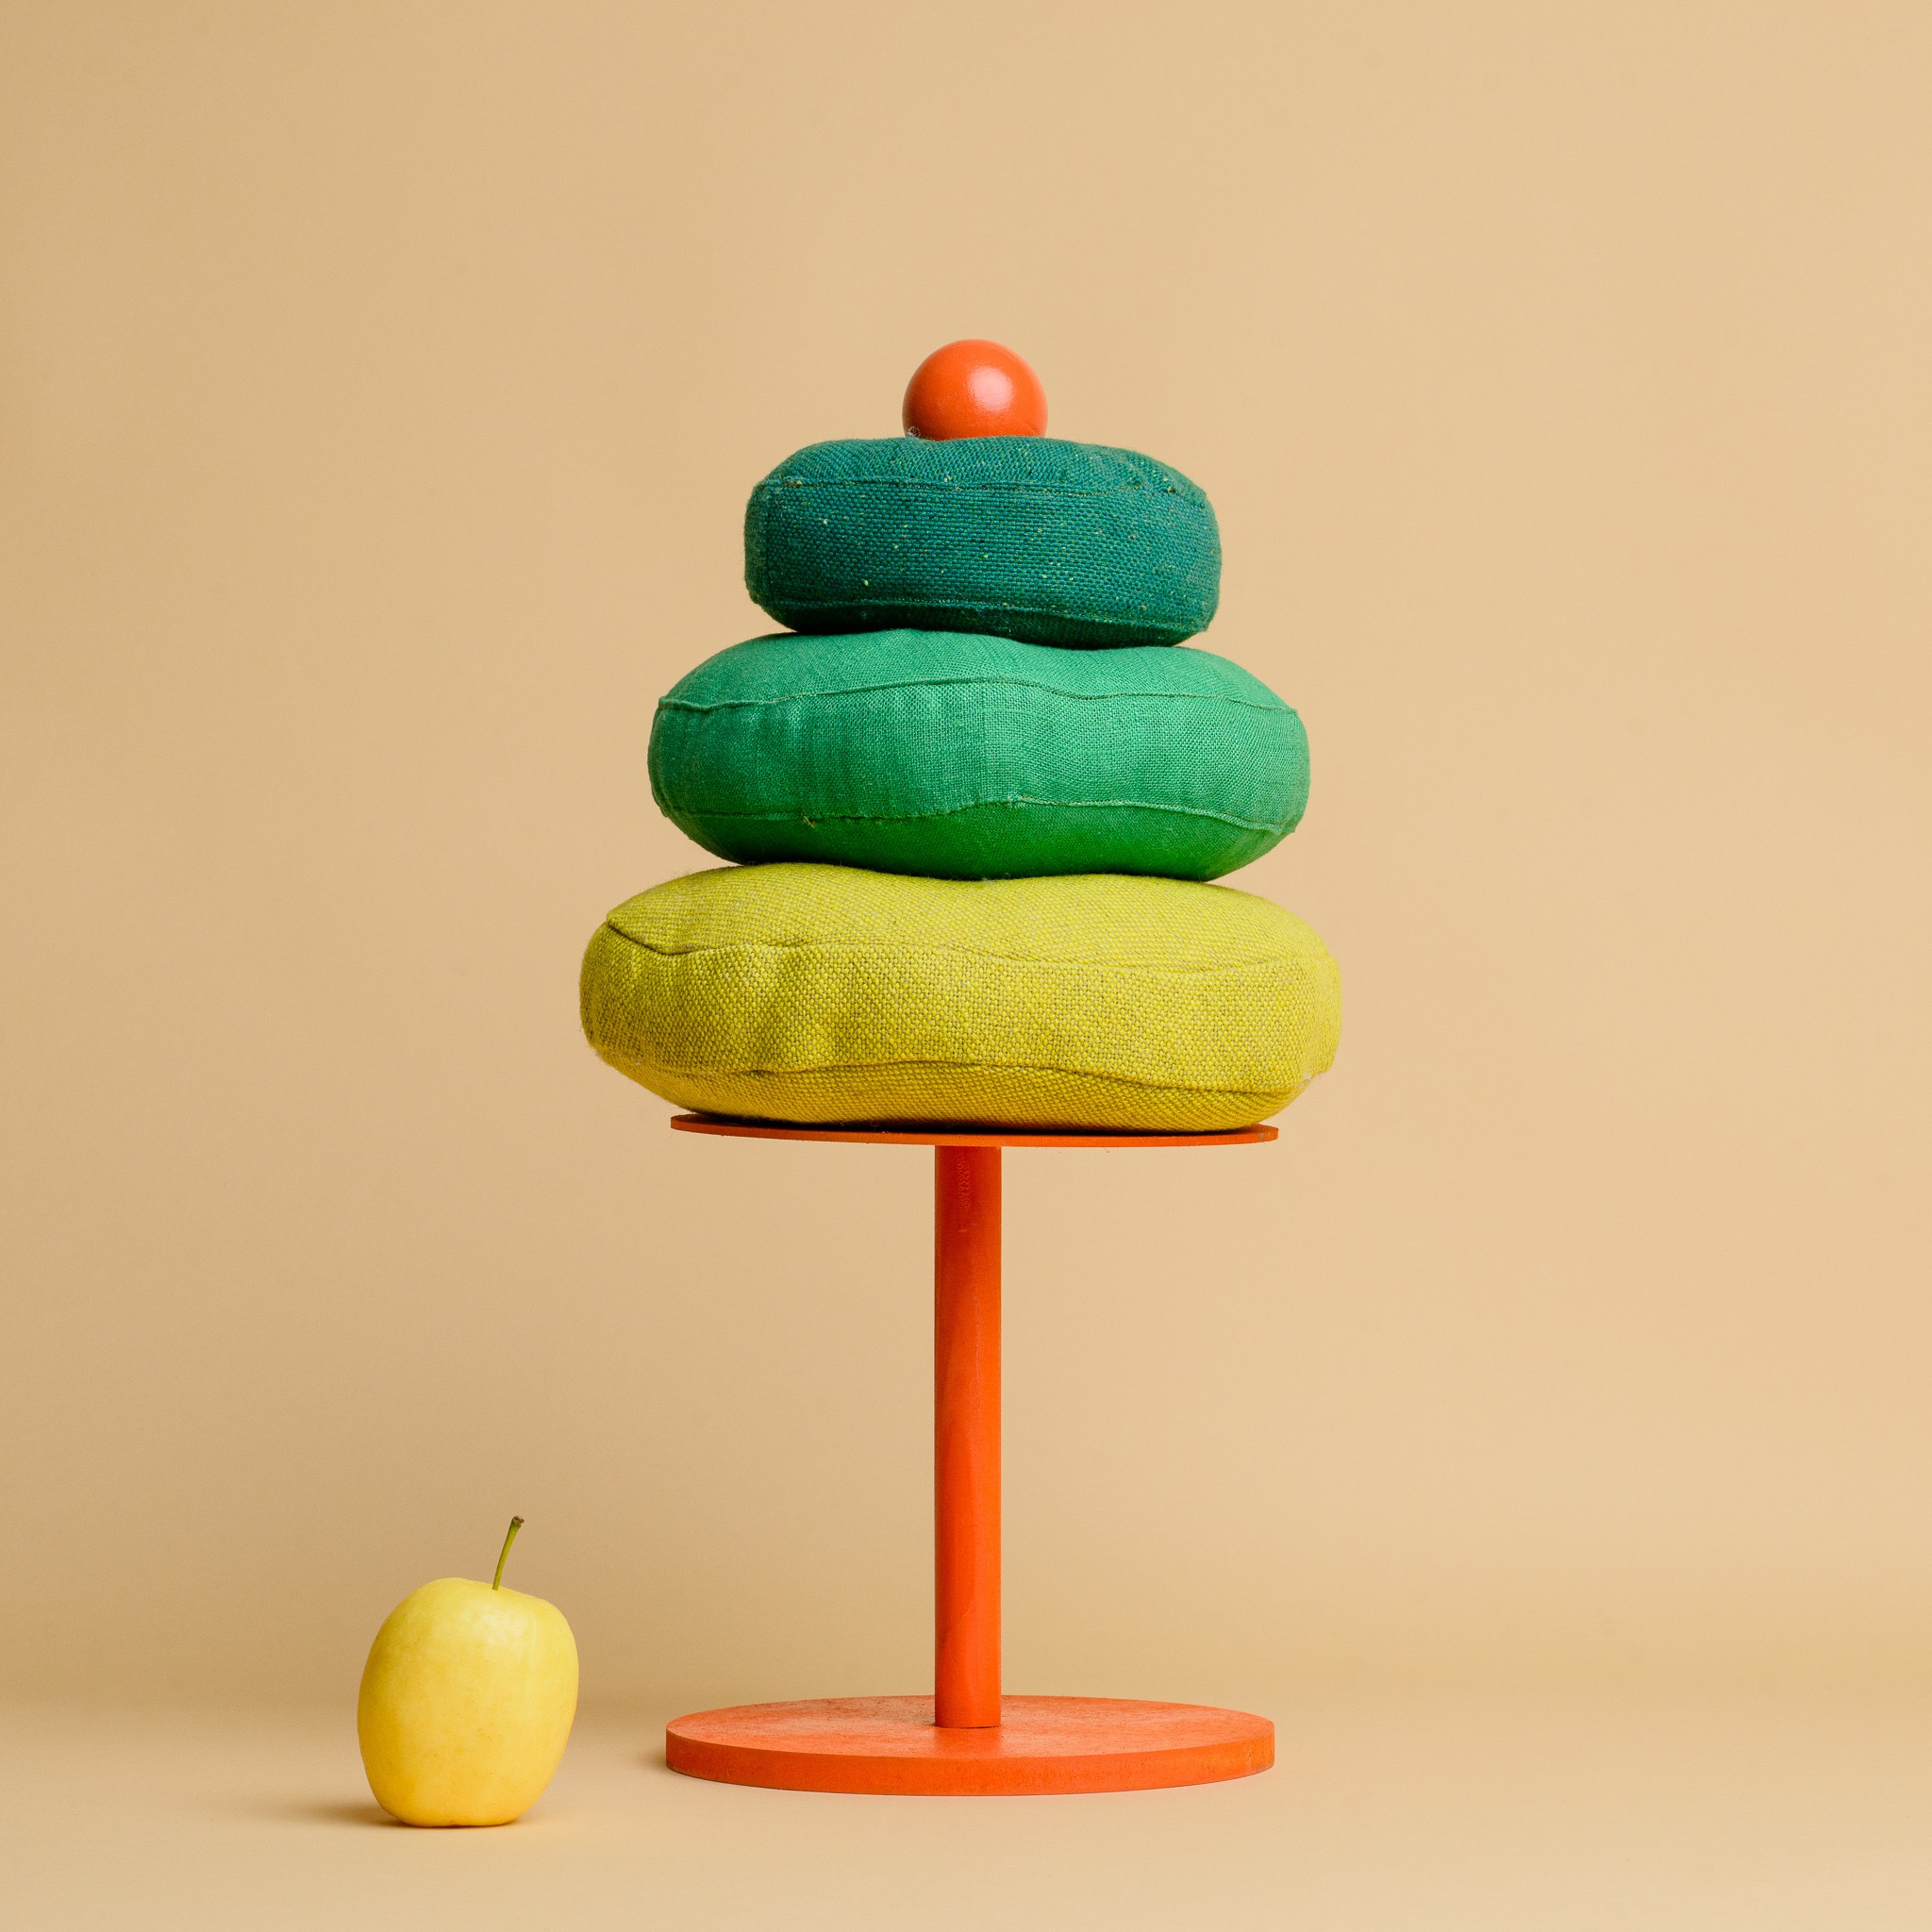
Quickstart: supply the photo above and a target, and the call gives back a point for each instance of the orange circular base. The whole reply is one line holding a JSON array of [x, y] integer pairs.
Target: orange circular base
[[1041, 1745]]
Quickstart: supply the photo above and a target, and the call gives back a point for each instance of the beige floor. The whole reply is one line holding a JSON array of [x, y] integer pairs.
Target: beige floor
[[1560, 1817]]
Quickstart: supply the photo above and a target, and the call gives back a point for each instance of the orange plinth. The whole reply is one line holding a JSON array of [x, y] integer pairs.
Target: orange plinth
[[1041, 1745], [966, 1739]]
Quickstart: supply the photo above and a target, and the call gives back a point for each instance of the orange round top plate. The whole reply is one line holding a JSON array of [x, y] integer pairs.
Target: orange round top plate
[[962, 1137]]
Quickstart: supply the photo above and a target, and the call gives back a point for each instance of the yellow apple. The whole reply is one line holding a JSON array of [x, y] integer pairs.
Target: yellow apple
[[467, 1701]]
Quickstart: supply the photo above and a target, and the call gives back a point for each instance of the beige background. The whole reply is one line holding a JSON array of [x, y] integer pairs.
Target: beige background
[[382, 386]]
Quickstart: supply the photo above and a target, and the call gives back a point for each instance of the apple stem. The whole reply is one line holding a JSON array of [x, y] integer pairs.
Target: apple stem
[[516, 1523]]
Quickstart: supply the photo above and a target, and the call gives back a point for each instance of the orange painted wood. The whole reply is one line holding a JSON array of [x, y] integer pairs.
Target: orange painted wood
[[966, 1435], [966, 1739], [1045, 1745], [961, 1137], [974, 388]]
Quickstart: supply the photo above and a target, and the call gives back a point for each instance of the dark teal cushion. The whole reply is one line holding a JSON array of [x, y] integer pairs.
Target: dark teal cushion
[[965, 757], [1016, 535]]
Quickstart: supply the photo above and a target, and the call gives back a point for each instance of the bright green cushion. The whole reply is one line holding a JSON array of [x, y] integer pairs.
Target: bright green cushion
[[965, 757], [1020, 536], [821, 992]]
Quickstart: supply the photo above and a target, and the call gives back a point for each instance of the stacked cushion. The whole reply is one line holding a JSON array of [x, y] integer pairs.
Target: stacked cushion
[[1023, 537], [814, 992], [960, 756], [975, 801]]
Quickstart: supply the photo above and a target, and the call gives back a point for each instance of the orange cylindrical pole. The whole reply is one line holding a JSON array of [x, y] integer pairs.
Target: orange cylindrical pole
[[966, 1435]]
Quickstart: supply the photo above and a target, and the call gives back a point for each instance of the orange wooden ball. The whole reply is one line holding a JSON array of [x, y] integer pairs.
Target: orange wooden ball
[[974, 389]]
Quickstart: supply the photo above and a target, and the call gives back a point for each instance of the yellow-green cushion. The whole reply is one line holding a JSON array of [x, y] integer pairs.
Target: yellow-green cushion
[[821, 992]]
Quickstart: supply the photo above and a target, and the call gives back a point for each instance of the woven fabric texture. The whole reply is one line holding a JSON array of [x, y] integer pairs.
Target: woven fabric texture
[[824, 993], [1024, 536], [966, 757]]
